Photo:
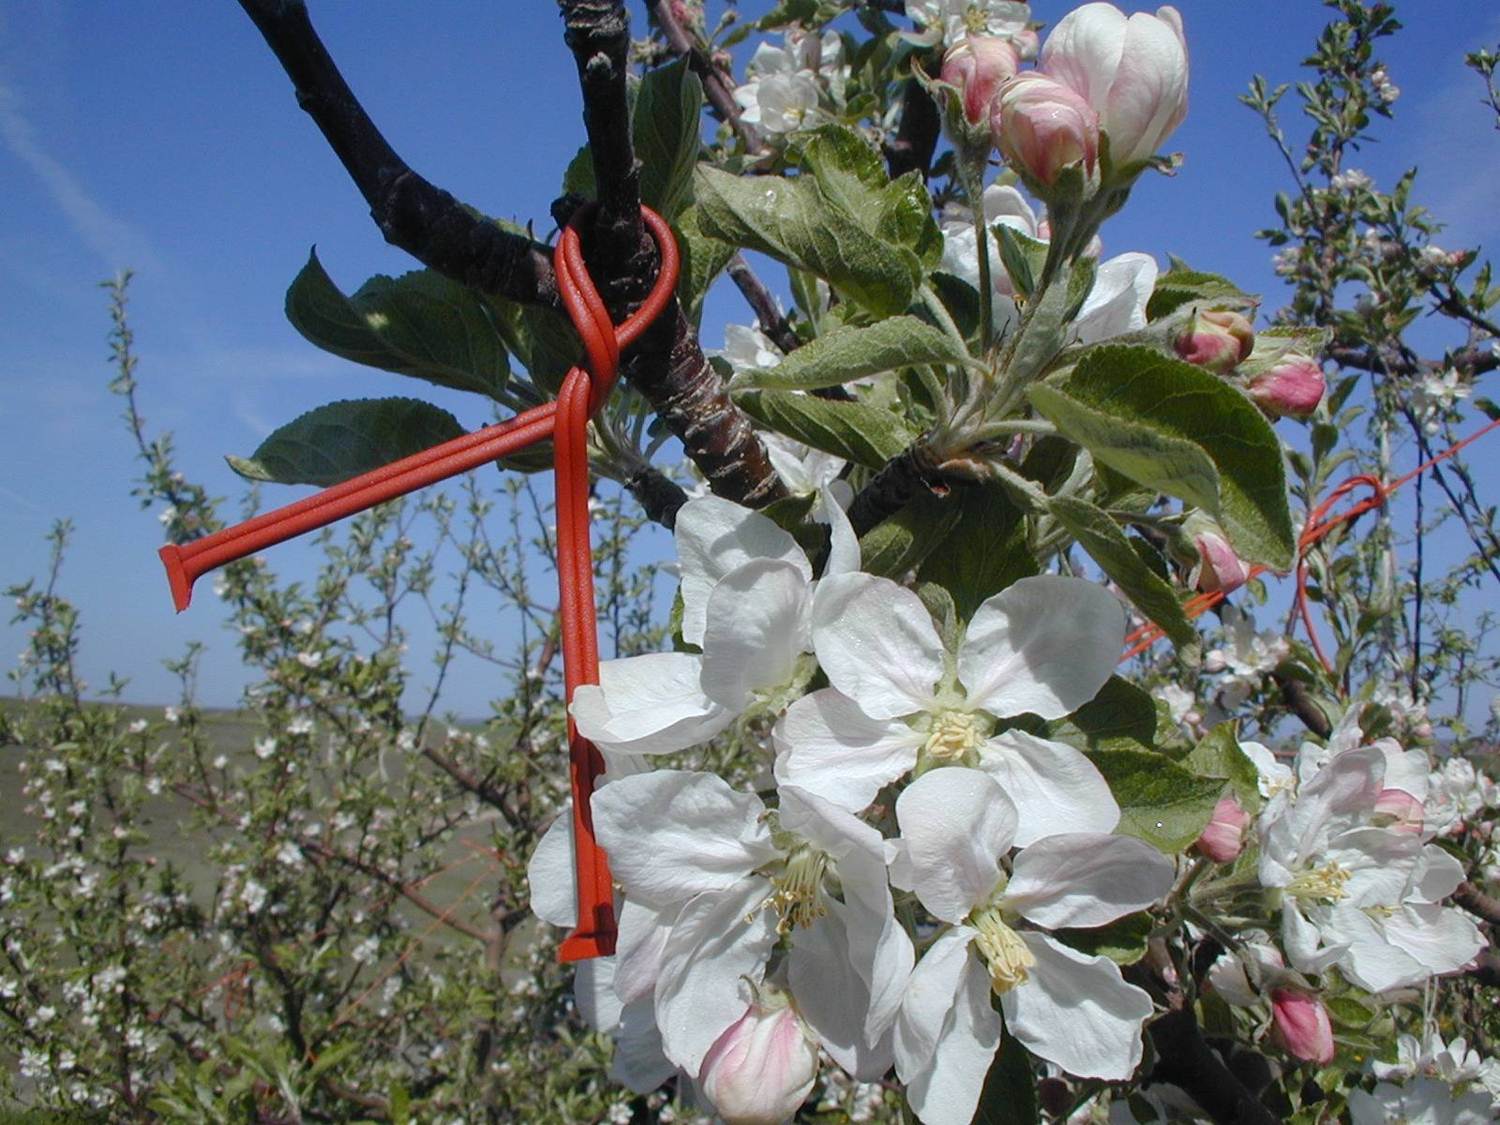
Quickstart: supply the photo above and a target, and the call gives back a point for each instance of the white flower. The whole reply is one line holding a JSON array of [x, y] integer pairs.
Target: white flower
[[301, 724], [747, 594], [1071, 1009], [309, 659], [264, 748], [783, 85], [171, 714], [137, 726], [1122, 285], [1044, 646], [709, 887], [779, 103], [253, 895], [748, 348], [366, 951], [950, 21], [1427, 1101]]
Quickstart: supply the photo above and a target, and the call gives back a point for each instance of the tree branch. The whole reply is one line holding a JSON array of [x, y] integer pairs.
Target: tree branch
[[421, 219], [718, 88], [761, 301], [1476, 902], [917, 135], [1184, 1059], [667, 365], [420, 901]]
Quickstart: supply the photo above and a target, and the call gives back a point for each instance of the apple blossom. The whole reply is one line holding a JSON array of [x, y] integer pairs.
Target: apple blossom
[[1301, 1025], [761, 1069], [1292, 384], [1216, 339], [1133, 72], [898, 700], [978, 65], [1224, 837], [1219, 568], [951, 21], [1074, 1010], [1043, 126]]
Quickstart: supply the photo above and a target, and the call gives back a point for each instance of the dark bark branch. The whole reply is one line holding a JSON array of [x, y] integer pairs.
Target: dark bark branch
[[1184, 1059], [658, 495], [1486, 970], [917, 135], [1476, 902], [667, 365], [420, 901], [420, 218], [894, 486], [761, 301], [1296, 696], [718, 88]]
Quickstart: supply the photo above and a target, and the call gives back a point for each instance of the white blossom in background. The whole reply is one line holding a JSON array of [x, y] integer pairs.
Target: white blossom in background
[[1122, 285], [748, 349], [899, 700], [1422, 1101], [950, 21], [783, 84], [1246, 658]]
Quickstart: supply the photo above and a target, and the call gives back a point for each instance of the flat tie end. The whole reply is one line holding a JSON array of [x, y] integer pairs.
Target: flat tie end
[[177, 576]]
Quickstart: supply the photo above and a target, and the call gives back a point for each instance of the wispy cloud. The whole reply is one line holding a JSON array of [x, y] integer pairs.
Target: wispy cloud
[[113, 240]]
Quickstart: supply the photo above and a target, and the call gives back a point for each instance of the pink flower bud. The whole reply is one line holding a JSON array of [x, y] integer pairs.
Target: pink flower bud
[[1403, 811], [1043, 127], [1292, 385], [1301, 1025], [1224, 838], [1028, 43], [1219, 568], [1134, 72], [761, 1069], [979, 65], [1217, 340]]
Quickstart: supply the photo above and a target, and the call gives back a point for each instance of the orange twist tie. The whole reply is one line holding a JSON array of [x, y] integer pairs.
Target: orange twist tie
[[1320, 522], [566, 423]]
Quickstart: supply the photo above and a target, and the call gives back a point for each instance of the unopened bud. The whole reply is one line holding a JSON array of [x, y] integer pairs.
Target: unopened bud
[[762, 1068], [1291, 385], [1400, 811], [1301, 1025], [1219, 568], [1216, 340], [1043, 127], [1224, 838], [979, 65]]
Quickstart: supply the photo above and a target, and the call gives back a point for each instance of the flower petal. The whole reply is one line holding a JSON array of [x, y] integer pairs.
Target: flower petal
[[947, 1033], [843, 546], [955, 826], [649, 704], [757, 627], [1054, 787], [1044, 645], [1077, 1011], [715, 536], [643, 934], [1086, 879], [834, 998], [594, 993], [832, 748], [716, 940], [638, 1063], [876, 642], [1117, 302], [550, 875], [673, 834], [1441, 938]]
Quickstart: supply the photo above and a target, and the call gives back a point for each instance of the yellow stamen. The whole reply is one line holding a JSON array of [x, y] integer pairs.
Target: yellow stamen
[[1009, 960], [953, 736], [1320, 884], [798, 897]]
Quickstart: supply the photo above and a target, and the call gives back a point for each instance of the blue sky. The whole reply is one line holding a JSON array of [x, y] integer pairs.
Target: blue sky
[[164, 137]]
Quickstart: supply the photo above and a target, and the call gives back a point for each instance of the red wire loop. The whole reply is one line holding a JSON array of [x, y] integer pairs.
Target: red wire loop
[[584, 391], [1318, 525]]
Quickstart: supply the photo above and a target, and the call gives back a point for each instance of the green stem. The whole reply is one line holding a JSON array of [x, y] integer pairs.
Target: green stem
[[940, 313]]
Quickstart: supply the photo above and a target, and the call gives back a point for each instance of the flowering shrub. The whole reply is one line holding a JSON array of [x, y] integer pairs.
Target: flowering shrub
[[894, 833]]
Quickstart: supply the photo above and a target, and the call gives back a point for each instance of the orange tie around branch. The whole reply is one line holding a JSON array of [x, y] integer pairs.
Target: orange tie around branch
[[1319, 524], [566, 422]]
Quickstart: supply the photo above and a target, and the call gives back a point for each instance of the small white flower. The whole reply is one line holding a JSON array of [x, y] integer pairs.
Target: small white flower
[[171, 714], [310, 659], [253, 896], [366, 951], [949, 21], [301, 724], [137, 726], [264, 748]]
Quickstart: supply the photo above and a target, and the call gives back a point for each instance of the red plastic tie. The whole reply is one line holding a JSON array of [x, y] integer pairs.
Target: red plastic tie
[[1318, 525], [566, 422]]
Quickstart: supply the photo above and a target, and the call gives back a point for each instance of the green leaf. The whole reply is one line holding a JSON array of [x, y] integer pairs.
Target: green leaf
[[1022, 255], [1160, 802], [419, 324], [1218, 754], [851, 173], [985, 552], [897, 545], [792, 221], [1176, 428], [1009, 1094], [1102, 538], [540, 338], [343, 439], [863, 434], [665, 126], [845, 354], [1123, 941], [1120, 717], [1180, 285], [703, 259]]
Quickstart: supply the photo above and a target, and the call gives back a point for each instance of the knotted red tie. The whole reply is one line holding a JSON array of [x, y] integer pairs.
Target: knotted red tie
[[566, 422]]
